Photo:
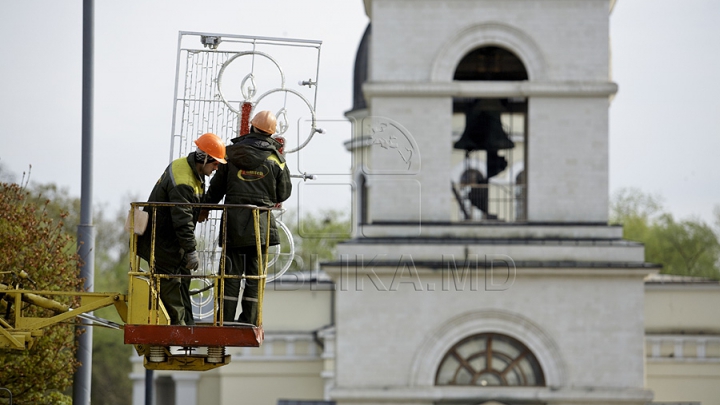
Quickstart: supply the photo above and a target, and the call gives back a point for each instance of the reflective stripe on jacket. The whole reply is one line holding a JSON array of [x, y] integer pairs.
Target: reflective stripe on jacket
[[175, 234]]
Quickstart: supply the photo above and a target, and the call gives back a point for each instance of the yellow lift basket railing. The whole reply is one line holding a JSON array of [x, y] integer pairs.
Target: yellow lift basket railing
[[147, 326], [146, 323]]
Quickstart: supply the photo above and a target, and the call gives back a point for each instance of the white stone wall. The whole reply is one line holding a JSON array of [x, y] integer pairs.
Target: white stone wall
[[582, 320], [571, 35], [568, 159], [416, 46], [567, 251], [424, 190], [584, 328]]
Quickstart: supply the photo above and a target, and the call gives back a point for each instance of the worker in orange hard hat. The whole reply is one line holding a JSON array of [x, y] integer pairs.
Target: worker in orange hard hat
[[183, 181], [265, 122], [256, 174]]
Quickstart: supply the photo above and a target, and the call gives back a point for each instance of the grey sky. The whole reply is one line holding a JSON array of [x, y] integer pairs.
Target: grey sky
[[663, 122]]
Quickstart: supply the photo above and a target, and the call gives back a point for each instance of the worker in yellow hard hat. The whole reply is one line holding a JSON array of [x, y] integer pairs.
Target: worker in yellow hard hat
[[256, 174], [183, 181]]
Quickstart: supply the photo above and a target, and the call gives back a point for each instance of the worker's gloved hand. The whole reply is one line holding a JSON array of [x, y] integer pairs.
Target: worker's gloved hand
[[204, 214], [192, 261]]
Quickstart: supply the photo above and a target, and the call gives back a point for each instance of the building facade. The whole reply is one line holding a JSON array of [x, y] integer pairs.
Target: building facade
[[482, 268], [295, 365]]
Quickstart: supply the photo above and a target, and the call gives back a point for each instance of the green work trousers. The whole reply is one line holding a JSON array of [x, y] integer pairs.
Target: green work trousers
[[240, 261], [175, 296]]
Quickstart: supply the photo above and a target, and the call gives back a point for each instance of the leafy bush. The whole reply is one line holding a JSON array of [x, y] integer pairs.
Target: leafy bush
[[34, 241]]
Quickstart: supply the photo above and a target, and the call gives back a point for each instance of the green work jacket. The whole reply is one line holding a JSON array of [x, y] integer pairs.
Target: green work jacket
[[256, 173], [175, 233]]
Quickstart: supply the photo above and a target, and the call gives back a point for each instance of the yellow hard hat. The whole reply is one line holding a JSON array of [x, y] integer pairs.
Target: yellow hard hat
[[212, 145], [265, 121]]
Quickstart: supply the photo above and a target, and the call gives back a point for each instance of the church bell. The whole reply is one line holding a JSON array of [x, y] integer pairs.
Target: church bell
[[483, 129]]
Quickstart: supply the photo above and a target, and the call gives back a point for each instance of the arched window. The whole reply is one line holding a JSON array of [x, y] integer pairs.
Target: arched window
[[490, 359], [490, 63]]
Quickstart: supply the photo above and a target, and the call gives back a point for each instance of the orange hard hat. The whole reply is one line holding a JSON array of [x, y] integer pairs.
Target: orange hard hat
[[265, 121], [212, 145]]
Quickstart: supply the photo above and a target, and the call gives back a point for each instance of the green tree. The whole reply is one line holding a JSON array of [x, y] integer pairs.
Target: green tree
[[36, 242], [111, 364], [111, 383], [686, 248], [111, 357], [683, 247], [316, 236], [59, 204]]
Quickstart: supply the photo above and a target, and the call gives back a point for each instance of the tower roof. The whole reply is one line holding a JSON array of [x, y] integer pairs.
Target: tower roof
[[361, 70]]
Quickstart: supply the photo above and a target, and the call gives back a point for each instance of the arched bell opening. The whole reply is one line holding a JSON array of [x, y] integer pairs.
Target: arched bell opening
[[489, 140], [490, 63]]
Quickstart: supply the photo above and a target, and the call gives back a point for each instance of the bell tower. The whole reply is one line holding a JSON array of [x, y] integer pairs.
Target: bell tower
[[483, 267]]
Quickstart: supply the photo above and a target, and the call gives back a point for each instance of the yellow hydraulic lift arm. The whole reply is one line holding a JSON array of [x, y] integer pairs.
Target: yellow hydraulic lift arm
[[22, 332], [146, 324]]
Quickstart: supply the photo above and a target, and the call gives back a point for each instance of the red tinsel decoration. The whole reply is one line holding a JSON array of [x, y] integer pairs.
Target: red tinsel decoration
[[245, 118], [280, 140]]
